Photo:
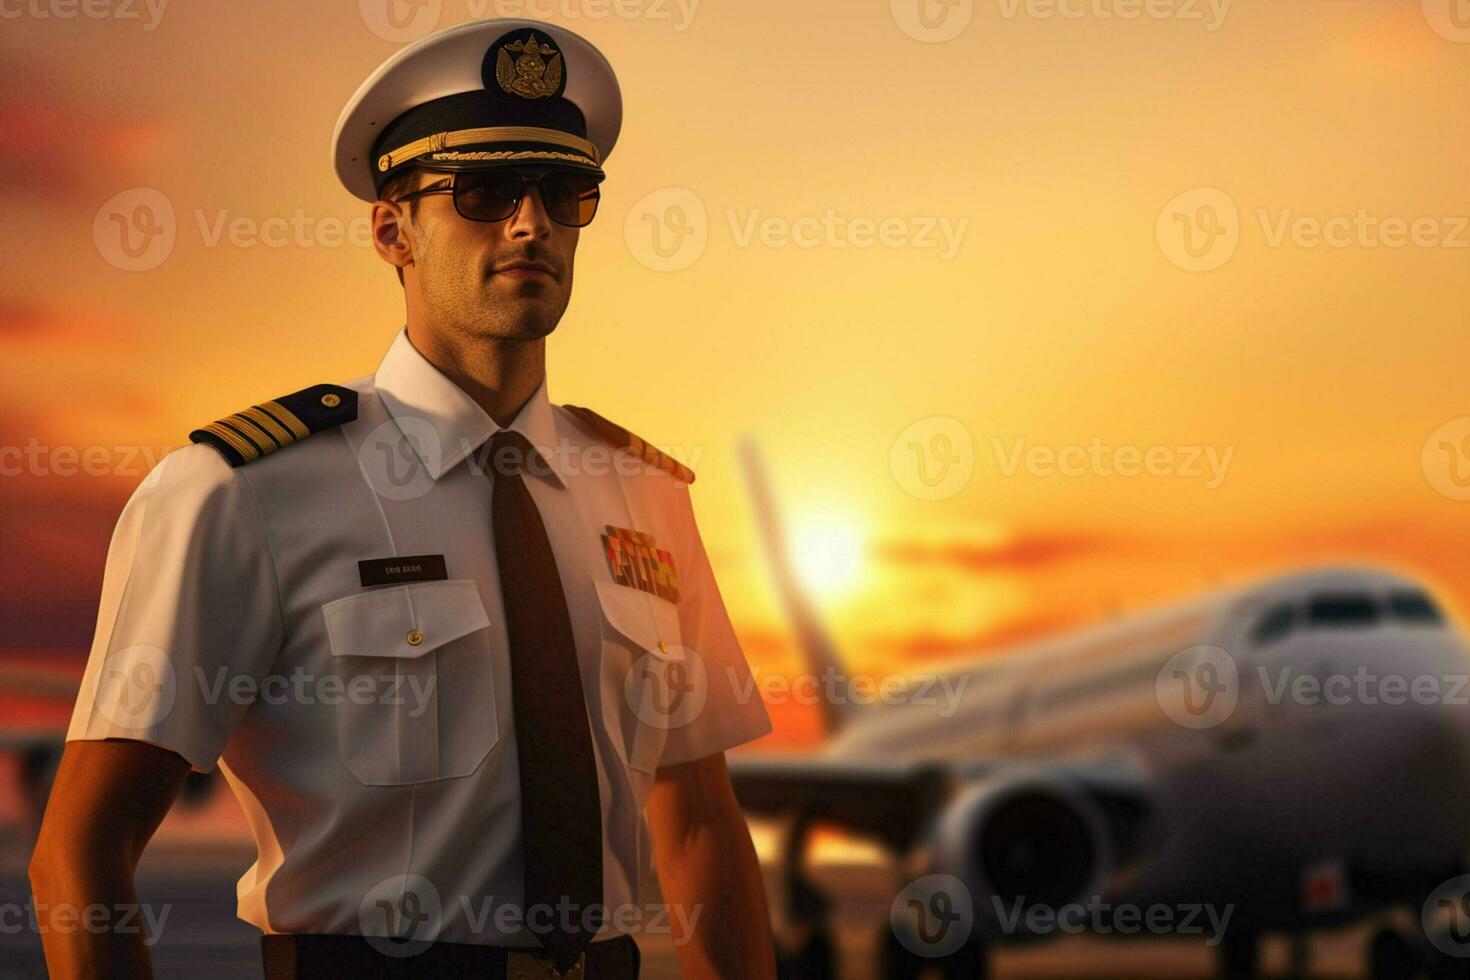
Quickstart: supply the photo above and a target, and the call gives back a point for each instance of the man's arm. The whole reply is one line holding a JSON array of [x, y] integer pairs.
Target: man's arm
[[707, 866], [108, 799]]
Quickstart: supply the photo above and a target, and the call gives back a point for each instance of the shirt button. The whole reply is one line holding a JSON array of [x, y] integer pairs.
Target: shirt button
[[331, 400], [415, 637]]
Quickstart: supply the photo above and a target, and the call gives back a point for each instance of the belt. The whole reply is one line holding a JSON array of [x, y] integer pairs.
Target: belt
[[299, 956]]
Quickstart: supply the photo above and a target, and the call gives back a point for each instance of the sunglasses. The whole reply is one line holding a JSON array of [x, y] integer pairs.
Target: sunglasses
[[493, 195]]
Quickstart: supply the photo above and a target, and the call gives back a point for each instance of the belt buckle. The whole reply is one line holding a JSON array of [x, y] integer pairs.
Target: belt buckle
[[525, 964]]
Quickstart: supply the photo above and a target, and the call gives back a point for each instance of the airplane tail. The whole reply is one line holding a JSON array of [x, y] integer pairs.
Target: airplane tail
[[821, 656]]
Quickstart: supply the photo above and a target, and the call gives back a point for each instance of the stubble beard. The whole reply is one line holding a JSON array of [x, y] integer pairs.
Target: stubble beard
[[491, 306]]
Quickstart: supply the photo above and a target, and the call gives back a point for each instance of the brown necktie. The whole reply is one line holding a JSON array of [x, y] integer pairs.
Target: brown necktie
[[561, 813]]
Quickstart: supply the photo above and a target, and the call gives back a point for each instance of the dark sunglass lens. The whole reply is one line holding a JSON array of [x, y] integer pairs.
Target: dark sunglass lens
[[488, 196], [571, 199], [587, 206]]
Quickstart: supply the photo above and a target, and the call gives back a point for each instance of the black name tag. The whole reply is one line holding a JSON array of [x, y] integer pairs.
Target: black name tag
[[409, 568]]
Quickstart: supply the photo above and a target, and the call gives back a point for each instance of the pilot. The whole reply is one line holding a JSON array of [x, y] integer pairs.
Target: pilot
[[457, 650]]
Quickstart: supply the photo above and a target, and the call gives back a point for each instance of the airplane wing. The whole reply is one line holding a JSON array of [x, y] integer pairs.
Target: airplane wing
[[900, 801], [891, 801]]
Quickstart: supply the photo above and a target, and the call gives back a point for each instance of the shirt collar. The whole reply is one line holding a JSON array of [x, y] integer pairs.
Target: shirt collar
[[411, 387]]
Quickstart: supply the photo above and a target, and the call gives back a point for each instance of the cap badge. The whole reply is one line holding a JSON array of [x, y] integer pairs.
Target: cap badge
[[531, 74]]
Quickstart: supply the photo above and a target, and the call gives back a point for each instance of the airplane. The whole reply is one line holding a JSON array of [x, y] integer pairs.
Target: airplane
[[1063, 777], [1062, 780]]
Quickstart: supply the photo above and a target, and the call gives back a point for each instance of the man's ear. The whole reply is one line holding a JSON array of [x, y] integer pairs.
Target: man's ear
[[392, 233]]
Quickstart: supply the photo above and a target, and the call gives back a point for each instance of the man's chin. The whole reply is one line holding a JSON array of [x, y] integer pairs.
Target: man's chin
[[518, 325]]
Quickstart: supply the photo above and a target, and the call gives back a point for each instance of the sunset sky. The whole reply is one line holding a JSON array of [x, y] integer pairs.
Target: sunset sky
[[1026, 292]]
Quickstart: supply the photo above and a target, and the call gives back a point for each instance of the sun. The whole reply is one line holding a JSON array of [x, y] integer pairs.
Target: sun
[[828, 555]]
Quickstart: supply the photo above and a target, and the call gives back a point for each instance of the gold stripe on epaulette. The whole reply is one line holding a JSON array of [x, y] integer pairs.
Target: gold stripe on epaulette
[[239, 444], [286, 417], [255, 432], [613, 433], [246, 431], [276, 430]]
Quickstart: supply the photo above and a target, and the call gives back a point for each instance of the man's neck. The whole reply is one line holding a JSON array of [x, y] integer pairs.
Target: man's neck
[[500, 375]]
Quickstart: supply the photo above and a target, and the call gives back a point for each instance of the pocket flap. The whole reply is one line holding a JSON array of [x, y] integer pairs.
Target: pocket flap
[[631, 612], [404, 620]]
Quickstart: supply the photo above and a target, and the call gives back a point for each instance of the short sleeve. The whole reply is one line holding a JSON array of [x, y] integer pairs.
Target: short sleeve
[[733, 712], [189, 605]]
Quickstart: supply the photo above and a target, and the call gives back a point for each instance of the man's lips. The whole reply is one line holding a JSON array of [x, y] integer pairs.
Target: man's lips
[[524, 270]]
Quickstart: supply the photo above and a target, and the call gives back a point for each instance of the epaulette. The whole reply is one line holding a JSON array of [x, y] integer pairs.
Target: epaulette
[[620, 438], [262, 429]]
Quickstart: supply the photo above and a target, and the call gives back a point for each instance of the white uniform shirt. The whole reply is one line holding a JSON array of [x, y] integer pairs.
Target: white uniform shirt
[[367, 731]]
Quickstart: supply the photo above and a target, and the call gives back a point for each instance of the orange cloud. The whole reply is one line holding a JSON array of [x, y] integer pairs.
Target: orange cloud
[[57, 147], [1018, 552]]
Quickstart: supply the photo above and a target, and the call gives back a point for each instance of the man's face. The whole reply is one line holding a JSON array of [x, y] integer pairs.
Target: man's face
[[508, 279]]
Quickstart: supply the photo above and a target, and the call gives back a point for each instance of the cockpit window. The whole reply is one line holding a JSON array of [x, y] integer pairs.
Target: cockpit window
[[1413, 607], [1342, 609], [1272, 626]]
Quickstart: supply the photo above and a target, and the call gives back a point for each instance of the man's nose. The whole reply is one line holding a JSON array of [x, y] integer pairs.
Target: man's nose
[[530, 219]]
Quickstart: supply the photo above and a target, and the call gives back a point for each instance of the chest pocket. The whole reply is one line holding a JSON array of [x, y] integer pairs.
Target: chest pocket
[[643, 661], [414, 665]]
